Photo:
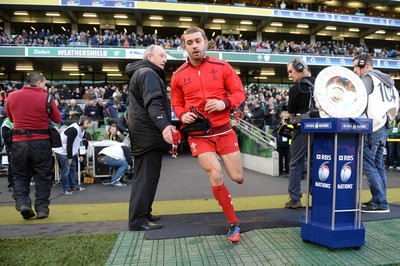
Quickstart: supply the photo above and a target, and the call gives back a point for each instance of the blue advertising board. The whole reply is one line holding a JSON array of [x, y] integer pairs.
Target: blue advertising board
[[340, 18], [323, 178], [99, 3], [336, 125]]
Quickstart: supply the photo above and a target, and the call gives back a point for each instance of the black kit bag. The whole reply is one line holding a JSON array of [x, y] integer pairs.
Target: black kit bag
[[313, 111], [55, 137], [199, 127]]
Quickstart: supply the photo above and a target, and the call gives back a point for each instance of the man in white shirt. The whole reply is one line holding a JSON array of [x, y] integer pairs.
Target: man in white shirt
[[71, 139], [119, 158]]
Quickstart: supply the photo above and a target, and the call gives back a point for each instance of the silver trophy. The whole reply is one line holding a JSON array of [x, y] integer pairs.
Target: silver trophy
[[339, 92]]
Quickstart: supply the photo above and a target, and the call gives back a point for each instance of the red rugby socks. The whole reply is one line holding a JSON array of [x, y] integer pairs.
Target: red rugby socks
[[221, 194]]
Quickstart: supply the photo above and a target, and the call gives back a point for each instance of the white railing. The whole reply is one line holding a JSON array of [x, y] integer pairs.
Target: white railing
[[258, 135]]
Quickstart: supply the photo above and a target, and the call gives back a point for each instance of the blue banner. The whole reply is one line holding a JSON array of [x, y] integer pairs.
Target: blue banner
[[98, 3], [360, 19], [329, 61], [346, 177], [322, 178], [287, 13], [382, 63], [325, 183]]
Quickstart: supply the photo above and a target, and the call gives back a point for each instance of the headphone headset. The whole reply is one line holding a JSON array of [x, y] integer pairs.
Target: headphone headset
[[298, 65], [82, 120], [362, 60]]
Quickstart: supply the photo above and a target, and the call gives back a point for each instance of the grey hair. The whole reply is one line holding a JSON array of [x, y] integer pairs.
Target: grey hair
[[304, 63], [298, 60], [149, 51]]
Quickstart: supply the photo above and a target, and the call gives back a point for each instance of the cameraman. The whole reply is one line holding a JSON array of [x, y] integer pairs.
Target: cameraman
[[283, 139], [298, 105]]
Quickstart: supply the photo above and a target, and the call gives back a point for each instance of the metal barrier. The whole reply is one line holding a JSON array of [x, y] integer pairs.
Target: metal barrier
[[258, 135]]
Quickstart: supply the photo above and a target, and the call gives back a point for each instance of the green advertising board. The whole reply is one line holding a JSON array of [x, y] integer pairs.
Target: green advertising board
[[181, 55], [12, 51], [63, 52]]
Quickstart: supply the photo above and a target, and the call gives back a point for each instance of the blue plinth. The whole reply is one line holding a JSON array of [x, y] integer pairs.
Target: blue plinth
[[334, 219], [341, 237], [337, 125]]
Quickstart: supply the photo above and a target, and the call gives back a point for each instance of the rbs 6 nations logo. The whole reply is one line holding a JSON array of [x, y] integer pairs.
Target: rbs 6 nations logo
[[323, 172], [345, 173]]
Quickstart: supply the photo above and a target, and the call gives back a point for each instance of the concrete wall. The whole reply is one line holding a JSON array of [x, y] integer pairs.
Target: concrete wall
[[269, 166]]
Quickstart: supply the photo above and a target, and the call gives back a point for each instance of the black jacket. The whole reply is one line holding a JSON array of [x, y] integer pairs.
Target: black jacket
[[299, 96], [149, 107]]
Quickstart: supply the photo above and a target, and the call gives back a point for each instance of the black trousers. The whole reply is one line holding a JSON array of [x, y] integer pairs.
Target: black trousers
[[144, 186], [298, 152], [32, 159], [283, 159]]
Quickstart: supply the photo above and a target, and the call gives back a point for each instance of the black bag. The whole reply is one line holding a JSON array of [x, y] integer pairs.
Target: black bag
[[55, 137], [199, 127], [313, 111]]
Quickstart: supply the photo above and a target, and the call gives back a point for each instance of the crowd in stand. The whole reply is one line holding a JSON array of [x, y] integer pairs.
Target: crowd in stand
[[262, 107], [105, 105], [44, 38]]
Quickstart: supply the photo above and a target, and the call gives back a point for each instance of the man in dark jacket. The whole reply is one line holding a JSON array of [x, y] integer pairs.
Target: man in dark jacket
[[258, 116], [298, 105], [149, 123], [122, 124]]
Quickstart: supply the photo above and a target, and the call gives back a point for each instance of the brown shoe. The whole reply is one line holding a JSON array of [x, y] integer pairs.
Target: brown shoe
[[42, 214], [291, 204]]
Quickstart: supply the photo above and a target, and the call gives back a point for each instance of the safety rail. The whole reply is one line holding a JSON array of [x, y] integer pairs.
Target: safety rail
[[258, 135]]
